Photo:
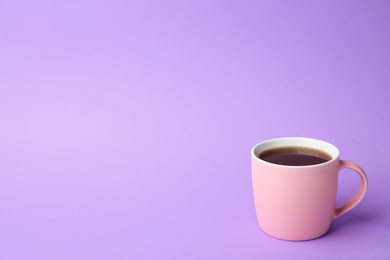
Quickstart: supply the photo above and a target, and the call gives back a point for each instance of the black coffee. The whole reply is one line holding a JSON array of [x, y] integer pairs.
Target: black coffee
[[294, 156]]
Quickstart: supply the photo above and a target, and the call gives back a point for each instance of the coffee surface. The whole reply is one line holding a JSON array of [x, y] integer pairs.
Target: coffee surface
[[294, 156]]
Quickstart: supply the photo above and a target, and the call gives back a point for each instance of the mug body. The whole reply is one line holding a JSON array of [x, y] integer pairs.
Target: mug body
[[295, 202]]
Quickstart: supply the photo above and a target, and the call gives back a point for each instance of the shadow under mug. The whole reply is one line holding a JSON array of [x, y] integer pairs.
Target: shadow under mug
[[299, 202]]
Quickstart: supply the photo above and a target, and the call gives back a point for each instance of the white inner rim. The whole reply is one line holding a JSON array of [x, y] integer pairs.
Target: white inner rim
[[296, 141]]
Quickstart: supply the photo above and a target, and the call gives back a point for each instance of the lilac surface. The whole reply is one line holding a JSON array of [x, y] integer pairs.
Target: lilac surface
[[126, 126]]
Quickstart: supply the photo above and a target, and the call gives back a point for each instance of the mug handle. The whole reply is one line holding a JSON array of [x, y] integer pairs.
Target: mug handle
[[359, 195]]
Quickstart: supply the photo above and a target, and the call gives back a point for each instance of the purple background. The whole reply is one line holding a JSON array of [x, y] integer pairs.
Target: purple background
[[126, 126]]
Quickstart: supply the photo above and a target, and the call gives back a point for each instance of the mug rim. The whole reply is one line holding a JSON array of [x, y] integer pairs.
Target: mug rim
[[307, 142]]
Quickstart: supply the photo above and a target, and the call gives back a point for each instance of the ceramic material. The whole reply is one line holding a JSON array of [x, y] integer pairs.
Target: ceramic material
[[299, 202]]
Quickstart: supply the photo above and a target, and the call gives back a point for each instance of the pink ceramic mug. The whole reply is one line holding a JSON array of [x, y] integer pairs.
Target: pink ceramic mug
[[299, 202]]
